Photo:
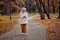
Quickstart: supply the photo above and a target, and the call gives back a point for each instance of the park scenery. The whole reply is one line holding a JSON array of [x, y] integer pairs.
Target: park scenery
[[43, 19]]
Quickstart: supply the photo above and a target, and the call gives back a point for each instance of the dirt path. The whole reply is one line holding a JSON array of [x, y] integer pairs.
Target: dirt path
[[35, 31]]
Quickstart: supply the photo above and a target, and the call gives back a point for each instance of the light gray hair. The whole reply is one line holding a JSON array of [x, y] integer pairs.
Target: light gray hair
[[23, 8]]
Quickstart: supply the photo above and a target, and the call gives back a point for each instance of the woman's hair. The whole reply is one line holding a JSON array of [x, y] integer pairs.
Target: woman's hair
[[23, 8]]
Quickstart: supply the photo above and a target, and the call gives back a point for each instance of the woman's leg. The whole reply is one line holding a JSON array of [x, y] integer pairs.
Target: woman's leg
[[23, 27]]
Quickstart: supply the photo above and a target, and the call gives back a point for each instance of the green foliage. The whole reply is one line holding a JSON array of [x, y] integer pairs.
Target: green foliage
[[2, 18]]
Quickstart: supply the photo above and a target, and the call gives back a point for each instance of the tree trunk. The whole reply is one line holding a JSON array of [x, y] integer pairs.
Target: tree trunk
[[59, 10], [53, 6], [39, 6], [45, 11]]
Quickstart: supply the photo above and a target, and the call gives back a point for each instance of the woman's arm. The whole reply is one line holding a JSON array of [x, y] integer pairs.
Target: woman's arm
[[26, 15]]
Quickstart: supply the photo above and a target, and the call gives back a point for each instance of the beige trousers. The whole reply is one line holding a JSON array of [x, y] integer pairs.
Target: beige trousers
[[23, 28]]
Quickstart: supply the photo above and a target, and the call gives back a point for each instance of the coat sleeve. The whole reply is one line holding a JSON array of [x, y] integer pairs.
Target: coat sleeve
[[20, 15], [27, 15]]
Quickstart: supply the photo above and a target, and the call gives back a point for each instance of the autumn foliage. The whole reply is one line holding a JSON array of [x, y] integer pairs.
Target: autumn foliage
[[7, 25], [52, 27]]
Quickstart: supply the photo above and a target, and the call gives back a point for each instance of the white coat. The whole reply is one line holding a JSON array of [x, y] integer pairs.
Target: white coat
[[23, 20]]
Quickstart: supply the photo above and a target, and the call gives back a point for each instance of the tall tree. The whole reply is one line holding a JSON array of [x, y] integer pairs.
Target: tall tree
[[43, 6], [53, 6], [59, 9], [47, 8], [39, 6]]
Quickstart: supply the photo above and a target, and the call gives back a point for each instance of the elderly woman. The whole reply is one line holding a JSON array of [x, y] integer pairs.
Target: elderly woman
[[23, 20]]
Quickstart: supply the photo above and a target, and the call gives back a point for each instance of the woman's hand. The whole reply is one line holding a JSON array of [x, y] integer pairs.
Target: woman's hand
[[24, 17]]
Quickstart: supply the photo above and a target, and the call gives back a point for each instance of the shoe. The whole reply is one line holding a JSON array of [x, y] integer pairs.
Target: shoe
[[24, 33]]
